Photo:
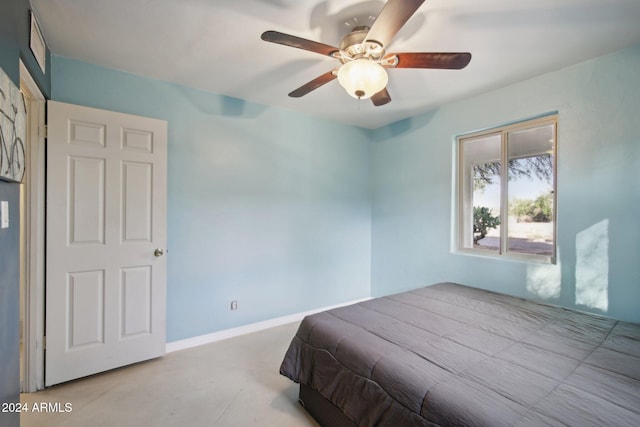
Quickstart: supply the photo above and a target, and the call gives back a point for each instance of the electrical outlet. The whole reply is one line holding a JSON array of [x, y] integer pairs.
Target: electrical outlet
[[4, 214], [234, 305]]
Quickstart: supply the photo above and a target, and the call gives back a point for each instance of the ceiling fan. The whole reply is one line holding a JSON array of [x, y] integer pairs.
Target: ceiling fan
[[363, 57]]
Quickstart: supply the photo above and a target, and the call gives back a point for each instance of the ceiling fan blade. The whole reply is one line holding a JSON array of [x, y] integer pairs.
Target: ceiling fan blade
[[300, 43], [313, 84], [381, 98], [393, 16], [443, 60]]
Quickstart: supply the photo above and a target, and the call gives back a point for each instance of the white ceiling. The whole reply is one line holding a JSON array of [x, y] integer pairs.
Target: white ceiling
[[215, 45]]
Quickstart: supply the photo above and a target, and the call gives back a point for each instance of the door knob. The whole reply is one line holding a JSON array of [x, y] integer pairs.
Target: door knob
[[158, 252]]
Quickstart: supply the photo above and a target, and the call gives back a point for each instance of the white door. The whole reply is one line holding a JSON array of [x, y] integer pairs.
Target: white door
[[106, 233]]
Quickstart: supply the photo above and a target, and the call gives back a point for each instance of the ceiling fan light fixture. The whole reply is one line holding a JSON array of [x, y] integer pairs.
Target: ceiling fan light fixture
[[362, 78]]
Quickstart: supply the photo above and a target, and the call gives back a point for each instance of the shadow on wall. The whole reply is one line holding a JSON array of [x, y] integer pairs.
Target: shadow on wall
[[289, 75], [591, 271], [400, 127], [219, 105]]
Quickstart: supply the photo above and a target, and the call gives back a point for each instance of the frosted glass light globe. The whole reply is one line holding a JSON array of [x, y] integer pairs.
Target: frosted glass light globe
[[362, 78]]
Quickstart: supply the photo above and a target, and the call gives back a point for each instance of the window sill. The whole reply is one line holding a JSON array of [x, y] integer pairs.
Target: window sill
[[510, 256]]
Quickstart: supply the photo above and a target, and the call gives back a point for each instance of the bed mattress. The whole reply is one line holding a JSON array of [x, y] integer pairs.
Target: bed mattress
[[448, 354]]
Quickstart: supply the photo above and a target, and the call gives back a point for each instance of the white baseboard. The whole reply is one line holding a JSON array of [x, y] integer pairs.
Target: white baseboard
[[247, 329]]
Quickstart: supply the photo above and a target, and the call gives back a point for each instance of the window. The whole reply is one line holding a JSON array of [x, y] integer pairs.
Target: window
[[508, 211]]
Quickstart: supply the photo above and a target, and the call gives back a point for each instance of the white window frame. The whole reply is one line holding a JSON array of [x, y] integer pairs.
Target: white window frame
[[460, 202]]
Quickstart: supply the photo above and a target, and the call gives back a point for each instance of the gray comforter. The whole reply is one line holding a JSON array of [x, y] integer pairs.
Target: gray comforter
[[453, 355]]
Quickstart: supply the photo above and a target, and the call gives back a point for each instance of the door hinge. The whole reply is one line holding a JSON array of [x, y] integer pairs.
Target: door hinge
[[44, 342], [42, 131]]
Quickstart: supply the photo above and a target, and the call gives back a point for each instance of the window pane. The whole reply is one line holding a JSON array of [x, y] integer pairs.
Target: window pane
[[481, 193], [530, 191]]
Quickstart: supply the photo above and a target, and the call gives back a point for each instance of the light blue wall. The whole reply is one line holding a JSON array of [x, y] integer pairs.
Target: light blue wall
[[265, 206], [598, 189], [286, 213]]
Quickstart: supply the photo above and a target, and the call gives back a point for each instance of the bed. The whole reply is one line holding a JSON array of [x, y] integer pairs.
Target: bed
[[448, 354]]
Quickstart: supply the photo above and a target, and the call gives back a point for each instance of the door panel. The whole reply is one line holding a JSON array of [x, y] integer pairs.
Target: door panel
[[136, 301], [85, 311], [106, 215], [86, 195], [137, 190]]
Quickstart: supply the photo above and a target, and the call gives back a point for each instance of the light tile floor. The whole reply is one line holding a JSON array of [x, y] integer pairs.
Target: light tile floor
[[229, 383]]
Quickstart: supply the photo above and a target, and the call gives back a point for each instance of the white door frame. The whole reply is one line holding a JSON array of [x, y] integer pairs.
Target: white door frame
[[32, 246]]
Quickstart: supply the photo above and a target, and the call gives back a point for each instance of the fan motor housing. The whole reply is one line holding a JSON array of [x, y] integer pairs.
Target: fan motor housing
[[352, 44]]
